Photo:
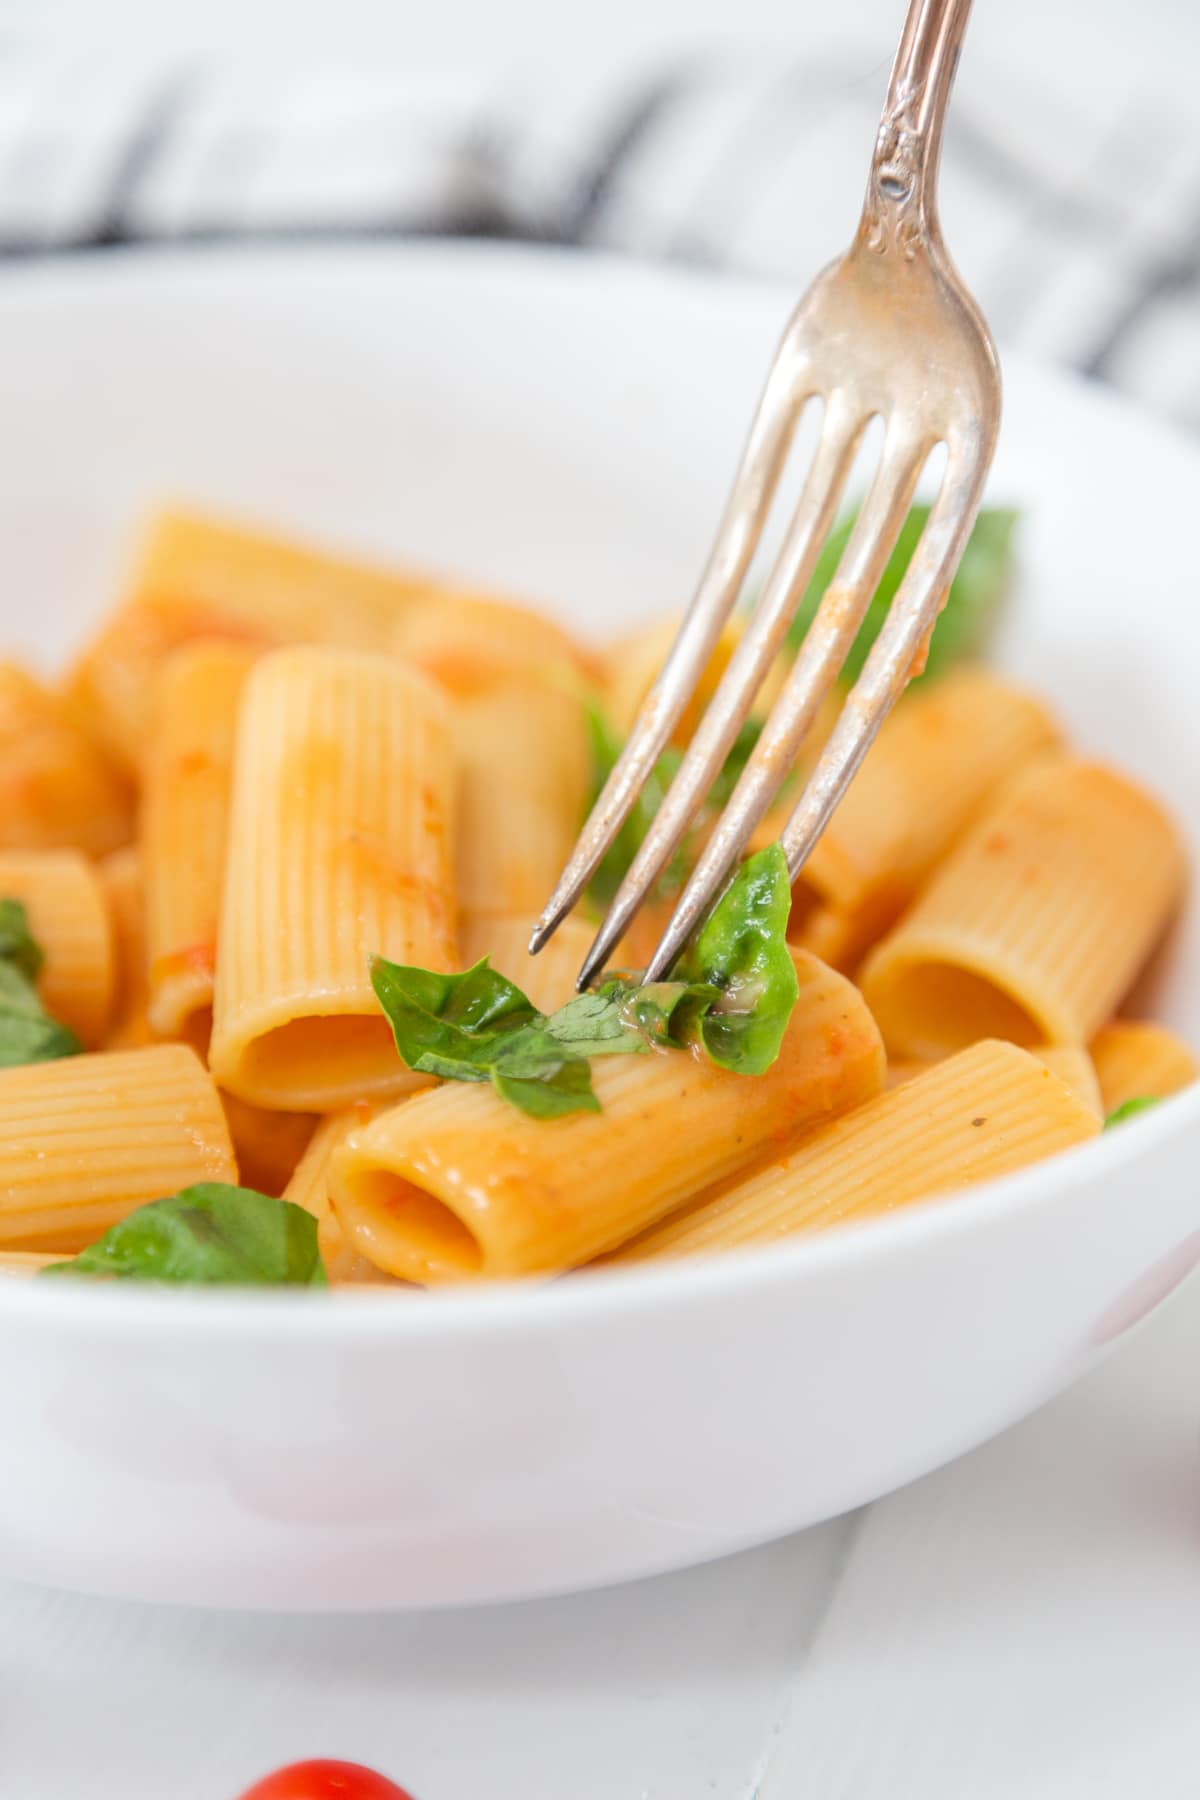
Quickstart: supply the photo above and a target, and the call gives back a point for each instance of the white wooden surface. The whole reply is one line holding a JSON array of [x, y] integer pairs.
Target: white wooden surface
[[1025, 1622]]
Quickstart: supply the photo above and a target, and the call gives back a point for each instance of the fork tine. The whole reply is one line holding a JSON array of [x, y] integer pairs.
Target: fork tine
[[818, 663], [913, 614], [784, 396], [841, 433]]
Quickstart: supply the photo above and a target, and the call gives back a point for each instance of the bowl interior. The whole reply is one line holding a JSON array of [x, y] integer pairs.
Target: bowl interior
[[558, 426]]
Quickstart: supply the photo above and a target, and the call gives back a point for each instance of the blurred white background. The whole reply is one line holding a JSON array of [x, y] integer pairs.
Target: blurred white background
[[1073, 45]]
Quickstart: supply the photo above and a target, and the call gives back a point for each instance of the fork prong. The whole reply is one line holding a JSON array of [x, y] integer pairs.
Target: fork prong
[[841, 432], [787, 390], [913, 614], [818, 662]]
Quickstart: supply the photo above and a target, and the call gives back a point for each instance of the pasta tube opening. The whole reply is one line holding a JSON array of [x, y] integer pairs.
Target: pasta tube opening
[[936, 1008], [425, 1230], [319, 1053], [1037, 922]]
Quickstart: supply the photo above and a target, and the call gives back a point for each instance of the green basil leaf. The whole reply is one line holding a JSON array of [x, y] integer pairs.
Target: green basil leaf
[[18, 947], [623, 1016], [741, 950], [472, 1067], [480, 999], [669, 1013], [1129, 1109], [567, 1089], [444, 1024], [210, 1234], [18, 996], [33, 1037], [27, 1032], [595, 1024], [733, 993], [971, 606], [479, 1026], [532, 1053]]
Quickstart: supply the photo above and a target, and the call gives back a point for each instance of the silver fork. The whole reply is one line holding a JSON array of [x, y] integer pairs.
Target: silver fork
[[889, 331]]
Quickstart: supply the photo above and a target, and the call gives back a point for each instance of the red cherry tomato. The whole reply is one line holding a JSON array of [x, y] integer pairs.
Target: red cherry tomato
[[325, 1780]]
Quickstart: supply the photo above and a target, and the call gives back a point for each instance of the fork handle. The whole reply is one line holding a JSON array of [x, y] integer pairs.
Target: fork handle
[[900, 211]]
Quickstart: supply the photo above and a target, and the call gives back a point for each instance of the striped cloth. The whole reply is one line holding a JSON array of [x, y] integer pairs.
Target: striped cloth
[[1080, 236]]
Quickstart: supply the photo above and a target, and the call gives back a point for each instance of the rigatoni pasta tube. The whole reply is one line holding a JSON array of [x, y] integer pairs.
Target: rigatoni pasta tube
[[938, 758], [839, 938], [309, 1188], [898, 1072], [338, 849], [1072, 1064], [1035, 926], [25, 1262], [57, 789], [287, 589], [121, 878], [68, 916], [112, 686], [447, 630], [456, 1185], [547, 978], [309, 1184], [85, 1140], [185, 824], [1138, 1060], [985, 1112], [522, 758], [202, 577], [267, 1144]]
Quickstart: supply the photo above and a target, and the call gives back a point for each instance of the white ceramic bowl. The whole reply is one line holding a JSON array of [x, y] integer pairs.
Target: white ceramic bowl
[[564, 427]]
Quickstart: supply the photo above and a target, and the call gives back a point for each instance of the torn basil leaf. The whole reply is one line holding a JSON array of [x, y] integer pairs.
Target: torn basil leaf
[[596, 1024], [971, 606], [566, 1089], [27, 1032], [447, 1025], [19, 948], [732, 993], [211, 1234], [33, 1038], [479, 1026], [1129, 1109], [742, 952]]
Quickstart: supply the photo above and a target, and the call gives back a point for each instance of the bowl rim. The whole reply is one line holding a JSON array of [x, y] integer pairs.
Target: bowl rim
[[605, 1293], [597, 1294]]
